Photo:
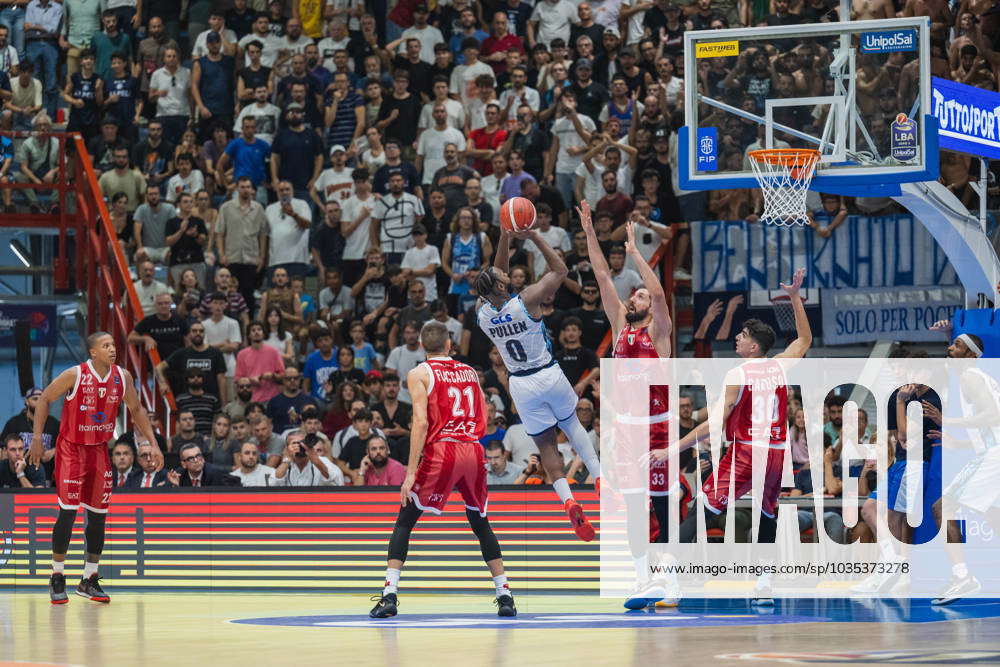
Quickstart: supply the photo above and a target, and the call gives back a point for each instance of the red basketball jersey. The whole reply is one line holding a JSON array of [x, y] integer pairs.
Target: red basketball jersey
[[763, 399], [456, 408], [91, 409], [637, 344]]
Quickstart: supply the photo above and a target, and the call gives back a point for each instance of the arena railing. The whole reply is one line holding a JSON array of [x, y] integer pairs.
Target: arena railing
[[88, 258], [112, 302]]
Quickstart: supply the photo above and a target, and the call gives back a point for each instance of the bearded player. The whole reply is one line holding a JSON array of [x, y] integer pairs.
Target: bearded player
[[544, 398], [94, 391], [744, 405], [641, 328], [449, 417]]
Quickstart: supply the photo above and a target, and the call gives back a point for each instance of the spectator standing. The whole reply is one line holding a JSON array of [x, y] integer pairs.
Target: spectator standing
[[235, 306], [625, 279], [496, 47], [81, 19], [615, 202], [576, 361], [198, 402], [147, 287], [264, 113], [297, 153], [345, 112], [399, 115], [463, 77], [511, 186], [186, 236], [422, 261], [394, 163], [187, 180], [406, 357], [269, 43], [551, 19], [197, 355], [216, 23], [394, 216], [154, 156], [42, 19], [213, 86], [453, 108], [320, 364], [170, 88], [12, 18], [556, 237], [123, 178], [152, 50], [223, 334], [254, 75], [426, 35], [241, 239], [163, 330], [288, 223], [452, 177], [354, 226], [38, 156], [248, 155], [411, 59], [431, 145], [251, 472], [151, 226], [109, 42], [122, 98], [519, 95], [335, 183], [571, 132], [260, 363], [594, 322], [26, 97]]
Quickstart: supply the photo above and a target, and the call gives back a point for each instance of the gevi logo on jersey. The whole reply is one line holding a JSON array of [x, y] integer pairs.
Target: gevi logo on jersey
[[501, 319]]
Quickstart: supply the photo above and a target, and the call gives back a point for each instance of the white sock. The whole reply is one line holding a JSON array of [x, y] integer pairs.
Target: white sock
[[888, 551], [89, 569], [960, 570], [391, 581], [641, 564], [582, 445], [58, 567], [500, 581], [561, 487]]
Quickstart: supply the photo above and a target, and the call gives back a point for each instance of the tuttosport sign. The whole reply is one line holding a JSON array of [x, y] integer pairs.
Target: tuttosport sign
[[968, 118], [858, 316]]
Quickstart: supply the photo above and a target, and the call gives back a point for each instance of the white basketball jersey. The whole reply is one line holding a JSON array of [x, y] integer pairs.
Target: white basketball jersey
[[983, 437], [520, 338]]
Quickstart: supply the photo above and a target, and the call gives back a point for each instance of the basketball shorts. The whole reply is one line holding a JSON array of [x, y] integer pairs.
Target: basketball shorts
[[736, 466], [977, 485], [543, 399], [447, 466], [83, 476]]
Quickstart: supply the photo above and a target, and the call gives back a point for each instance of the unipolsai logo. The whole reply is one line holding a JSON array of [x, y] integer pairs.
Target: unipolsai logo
[[888, 41]]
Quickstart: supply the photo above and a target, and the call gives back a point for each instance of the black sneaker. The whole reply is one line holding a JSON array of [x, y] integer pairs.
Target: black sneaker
[[57, 588], [385, 607], [90, 588], [505, 605]]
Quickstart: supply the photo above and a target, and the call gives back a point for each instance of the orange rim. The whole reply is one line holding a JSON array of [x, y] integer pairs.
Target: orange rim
[[785, 157]]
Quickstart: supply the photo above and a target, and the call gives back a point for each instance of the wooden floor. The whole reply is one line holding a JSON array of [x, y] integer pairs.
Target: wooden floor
[[241, 629]]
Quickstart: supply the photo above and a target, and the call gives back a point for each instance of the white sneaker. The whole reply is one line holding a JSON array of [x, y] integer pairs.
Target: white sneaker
[[646, 595], [762, 595], [881, 584], [902, 585], [958, 589], [681, 274], [673, 596]]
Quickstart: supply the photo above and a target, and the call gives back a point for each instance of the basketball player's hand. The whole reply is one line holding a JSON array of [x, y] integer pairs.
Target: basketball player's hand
[[944, 326], [931, 412], [583, 210], [658, 455], [734, 303], [404, 490], [630, 247], [35, 451], [713, 310], [793, 289]]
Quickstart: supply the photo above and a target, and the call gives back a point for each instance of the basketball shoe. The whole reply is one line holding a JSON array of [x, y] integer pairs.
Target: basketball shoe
[[577, 519]]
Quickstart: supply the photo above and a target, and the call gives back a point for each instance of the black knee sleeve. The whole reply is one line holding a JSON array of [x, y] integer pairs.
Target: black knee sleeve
[[62, 531], [767, 530], [661, 506], [94, 532], [488, 544], [399, 543]]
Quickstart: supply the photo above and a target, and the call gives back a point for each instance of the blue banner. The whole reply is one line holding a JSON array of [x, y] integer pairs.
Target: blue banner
[[858, 316], [968, 118], [864, 252], [889, 41], [41, 317], [708, 149]]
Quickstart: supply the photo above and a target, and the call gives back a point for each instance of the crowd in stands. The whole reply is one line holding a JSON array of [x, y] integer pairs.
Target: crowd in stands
[[300, 185]]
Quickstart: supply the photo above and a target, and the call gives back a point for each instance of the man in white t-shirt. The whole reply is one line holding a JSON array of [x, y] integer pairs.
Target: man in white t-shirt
[[216, 24], [551, 19], [335, 182], [355, 220], [567, 135], [463, 77], [262, 33], [288, 223], [186, 181], [422, 262], [267, 116], [456, 112], [519, 93], [251, 471], [591, 171], [428, 35], [625, 279], [406, 357], [393, 217], [430, 146], [554, 236], [223, 333]]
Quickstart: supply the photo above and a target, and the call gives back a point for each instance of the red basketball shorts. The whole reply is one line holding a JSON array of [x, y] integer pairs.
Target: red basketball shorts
[[446, 466], [83, 476], [737, 466]]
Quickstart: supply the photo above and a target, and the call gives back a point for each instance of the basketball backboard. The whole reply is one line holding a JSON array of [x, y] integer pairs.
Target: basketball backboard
[[825, 86]]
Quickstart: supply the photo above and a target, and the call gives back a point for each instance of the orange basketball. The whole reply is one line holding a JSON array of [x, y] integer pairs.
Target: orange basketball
[[517, 214]]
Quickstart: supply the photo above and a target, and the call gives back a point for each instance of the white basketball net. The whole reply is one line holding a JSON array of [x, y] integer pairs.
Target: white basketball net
[[784, 175], [784, 313]]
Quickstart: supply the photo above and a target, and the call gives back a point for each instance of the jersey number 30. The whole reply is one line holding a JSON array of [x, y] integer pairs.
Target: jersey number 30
[[455, 394]]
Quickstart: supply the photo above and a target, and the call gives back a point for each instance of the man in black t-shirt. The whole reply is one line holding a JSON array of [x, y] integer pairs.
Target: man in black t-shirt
[[591, 315], [162, 330], [23, 424], [356, 448], [197, 355], [574, 359]]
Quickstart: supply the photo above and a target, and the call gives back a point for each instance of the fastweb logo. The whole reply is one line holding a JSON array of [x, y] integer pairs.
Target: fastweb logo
[[889, 41]]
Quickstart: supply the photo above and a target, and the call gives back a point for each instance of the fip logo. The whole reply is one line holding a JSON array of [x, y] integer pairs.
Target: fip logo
[[889, 41], [708, 149], [502, 319]]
